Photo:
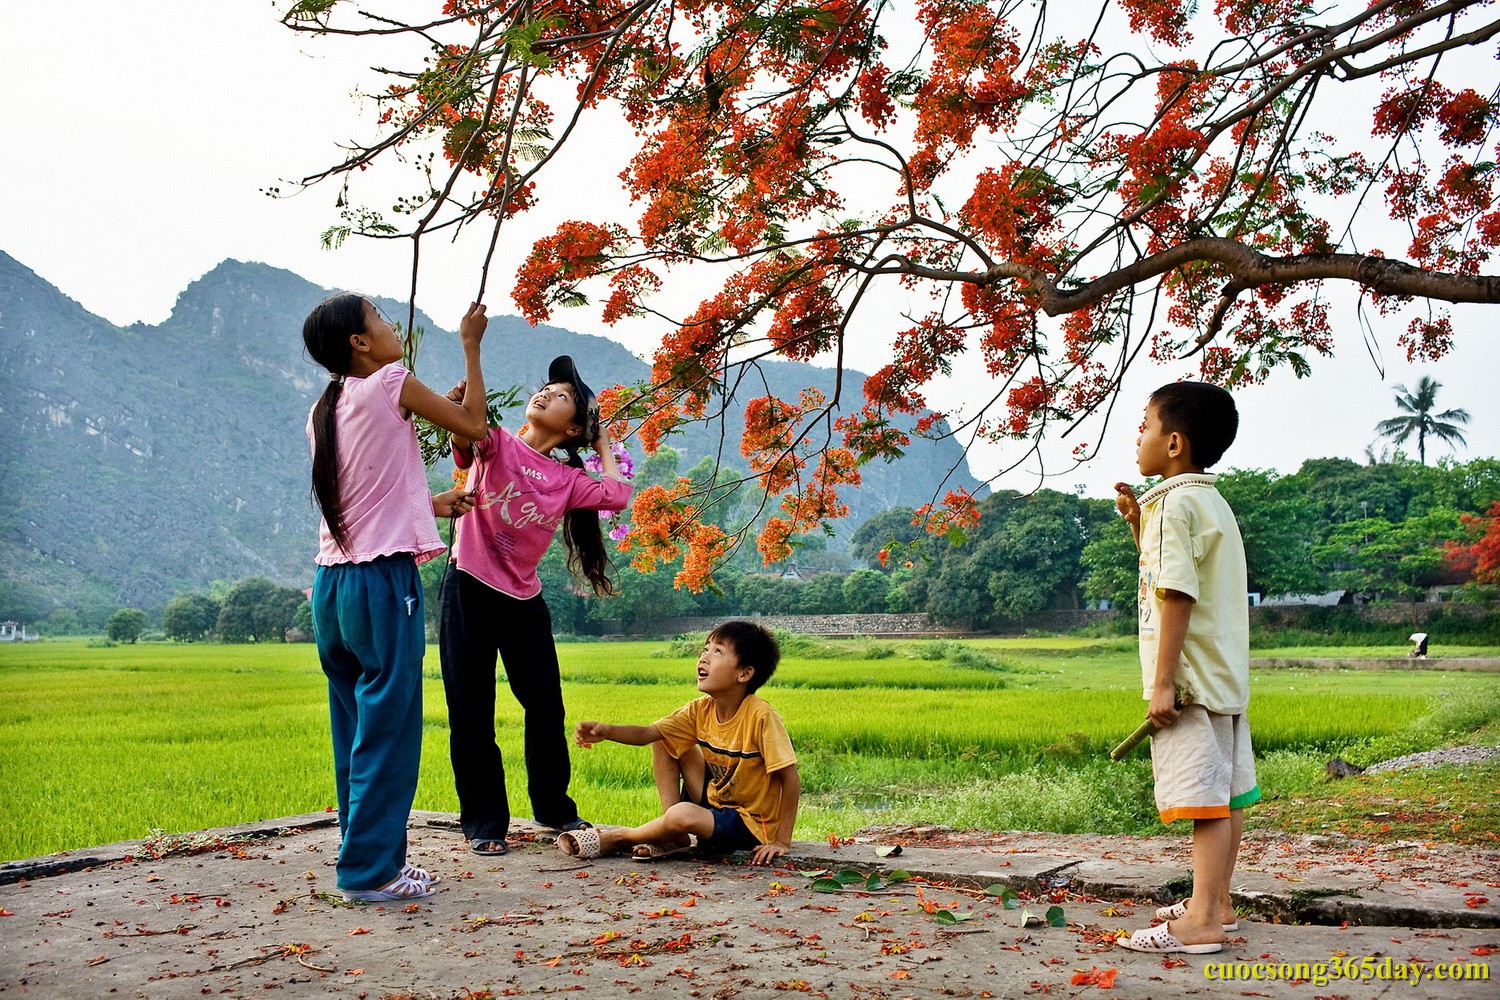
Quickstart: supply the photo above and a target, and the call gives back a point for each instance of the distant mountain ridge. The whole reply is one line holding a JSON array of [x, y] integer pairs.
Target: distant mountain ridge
[[160, 458]]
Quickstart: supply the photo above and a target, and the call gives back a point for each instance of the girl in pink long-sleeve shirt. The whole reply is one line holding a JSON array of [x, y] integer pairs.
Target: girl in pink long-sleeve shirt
[[493, 605]]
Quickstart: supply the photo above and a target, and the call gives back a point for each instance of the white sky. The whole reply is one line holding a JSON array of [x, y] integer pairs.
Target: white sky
[[137, 139]]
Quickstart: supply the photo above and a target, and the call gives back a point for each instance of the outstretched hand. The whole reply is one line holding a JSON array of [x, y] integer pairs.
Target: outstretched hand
[[589, 733]]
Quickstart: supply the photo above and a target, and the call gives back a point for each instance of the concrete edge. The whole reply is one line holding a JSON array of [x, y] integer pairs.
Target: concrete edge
[[63, 862]]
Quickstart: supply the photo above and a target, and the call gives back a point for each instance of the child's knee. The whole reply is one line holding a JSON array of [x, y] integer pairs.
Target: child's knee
[[683, 817]]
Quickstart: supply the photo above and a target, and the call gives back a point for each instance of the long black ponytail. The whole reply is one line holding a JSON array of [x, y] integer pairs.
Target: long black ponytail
[[585, 540], [325, 334]]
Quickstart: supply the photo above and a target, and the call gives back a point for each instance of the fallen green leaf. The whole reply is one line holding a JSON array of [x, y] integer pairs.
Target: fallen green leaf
[[951, 916], [848, 877], [827, 885], [1006, 895], [1055, 916]]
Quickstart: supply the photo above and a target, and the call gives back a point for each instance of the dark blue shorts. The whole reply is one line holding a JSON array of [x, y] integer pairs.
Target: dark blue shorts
[[730, 833]]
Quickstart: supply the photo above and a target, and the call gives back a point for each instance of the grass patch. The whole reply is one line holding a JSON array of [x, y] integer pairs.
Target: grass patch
[[110, 743], [1460, 804]]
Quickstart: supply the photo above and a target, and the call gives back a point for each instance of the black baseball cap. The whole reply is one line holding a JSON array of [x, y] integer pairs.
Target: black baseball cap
[[563, 369]]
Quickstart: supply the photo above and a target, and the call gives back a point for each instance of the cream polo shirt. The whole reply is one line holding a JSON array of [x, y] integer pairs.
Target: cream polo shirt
[[1191, 543]]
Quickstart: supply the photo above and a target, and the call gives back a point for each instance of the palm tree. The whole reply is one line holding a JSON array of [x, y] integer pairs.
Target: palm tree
[[1420, 419]]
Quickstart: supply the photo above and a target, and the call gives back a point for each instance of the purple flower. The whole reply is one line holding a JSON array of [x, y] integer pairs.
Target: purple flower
[[619, 531], [594, 464]]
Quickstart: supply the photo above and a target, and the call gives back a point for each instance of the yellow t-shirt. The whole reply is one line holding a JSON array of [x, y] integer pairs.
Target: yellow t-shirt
[[741, 754], [1190, 543]]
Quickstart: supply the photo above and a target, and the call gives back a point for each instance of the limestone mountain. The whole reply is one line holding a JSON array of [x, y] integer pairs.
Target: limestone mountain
[[143, 461]]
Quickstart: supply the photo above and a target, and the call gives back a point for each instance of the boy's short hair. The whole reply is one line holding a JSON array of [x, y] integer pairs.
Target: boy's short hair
[[755, 647], [1202, 413]]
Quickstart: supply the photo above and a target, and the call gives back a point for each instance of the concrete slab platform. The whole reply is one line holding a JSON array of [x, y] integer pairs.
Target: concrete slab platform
[[257, 910]]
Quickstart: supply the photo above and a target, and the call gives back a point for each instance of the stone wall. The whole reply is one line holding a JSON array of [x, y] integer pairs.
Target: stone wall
[[916, 625], [911, 625]]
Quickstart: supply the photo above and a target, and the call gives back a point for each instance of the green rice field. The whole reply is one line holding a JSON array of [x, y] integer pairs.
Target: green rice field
[[99, 744]]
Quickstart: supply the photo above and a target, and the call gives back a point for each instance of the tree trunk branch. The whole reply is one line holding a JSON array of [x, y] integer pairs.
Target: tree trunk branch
[[1249, 268]]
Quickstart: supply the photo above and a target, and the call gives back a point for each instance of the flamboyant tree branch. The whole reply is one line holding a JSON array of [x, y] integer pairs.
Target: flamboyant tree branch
[[1034, 167]]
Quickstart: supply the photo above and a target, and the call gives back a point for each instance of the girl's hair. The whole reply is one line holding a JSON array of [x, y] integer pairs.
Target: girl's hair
[[585, 540], [325, 334]]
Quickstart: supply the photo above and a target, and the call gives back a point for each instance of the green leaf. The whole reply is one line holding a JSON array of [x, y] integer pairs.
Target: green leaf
[[952, 917], [814, 873], [827, 885], [848, 877], [899, 875], [872, 884], [956, 537], [1055, 916], [1007, 895]]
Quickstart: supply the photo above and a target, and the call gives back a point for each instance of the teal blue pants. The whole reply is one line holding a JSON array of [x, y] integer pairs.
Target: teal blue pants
[[368, 624]]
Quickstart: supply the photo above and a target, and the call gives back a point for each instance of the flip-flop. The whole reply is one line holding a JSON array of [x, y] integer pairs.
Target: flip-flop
[[1179, 910], [582, 843], [420, 875], [1160, 941], [656, 852], [489, 848], [400, 889], [571, 825]]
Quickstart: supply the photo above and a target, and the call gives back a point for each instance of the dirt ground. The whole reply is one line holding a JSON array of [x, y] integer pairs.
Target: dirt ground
[[255, 908]]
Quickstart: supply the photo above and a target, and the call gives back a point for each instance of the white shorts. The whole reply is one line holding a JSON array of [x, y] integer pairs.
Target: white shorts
[[1203, 766]]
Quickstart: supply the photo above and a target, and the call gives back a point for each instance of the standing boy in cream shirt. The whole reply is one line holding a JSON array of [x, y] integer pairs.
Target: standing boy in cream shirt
[[1195, 652]]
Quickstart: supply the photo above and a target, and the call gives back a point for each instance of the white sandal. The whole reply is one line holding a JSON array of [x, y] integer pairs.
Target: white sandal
[[400, 889], [419, 875], [1160, 941], [1179, 910], [580, 843]]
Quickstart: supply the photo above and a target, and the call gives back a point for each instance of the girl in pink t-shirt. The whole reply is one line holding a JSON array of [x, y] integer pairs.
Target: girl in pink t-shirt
[[371, 486], [492, 603]]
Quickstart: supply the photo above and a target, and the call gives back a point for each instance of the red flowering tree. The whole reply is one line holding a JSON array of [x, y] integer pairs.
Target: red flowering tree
[[1480, 558], [1072, 185]]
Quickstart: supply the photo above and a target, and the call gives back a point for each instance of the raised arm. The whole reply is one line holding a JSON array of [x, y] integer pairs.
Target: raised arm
[[469, 418]]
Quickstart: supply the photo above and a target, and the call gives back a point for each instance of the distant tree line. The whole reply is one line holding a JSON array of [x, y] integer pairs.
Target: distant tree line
[[1382, 531], [252, 610]]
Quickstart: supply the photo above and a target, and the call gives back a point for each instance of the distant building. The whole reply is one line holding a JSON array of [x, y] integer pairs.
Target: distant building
[[13, 632]]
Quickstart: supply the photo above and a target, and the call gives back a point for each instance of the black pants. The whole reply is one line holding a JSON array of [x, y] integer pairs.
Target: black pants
[[477, 623]]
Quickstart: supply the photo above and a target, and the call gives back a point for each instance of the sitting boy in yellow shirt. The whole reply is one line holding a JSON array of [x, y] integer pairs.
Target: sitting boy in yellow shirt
[[724, 765]]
